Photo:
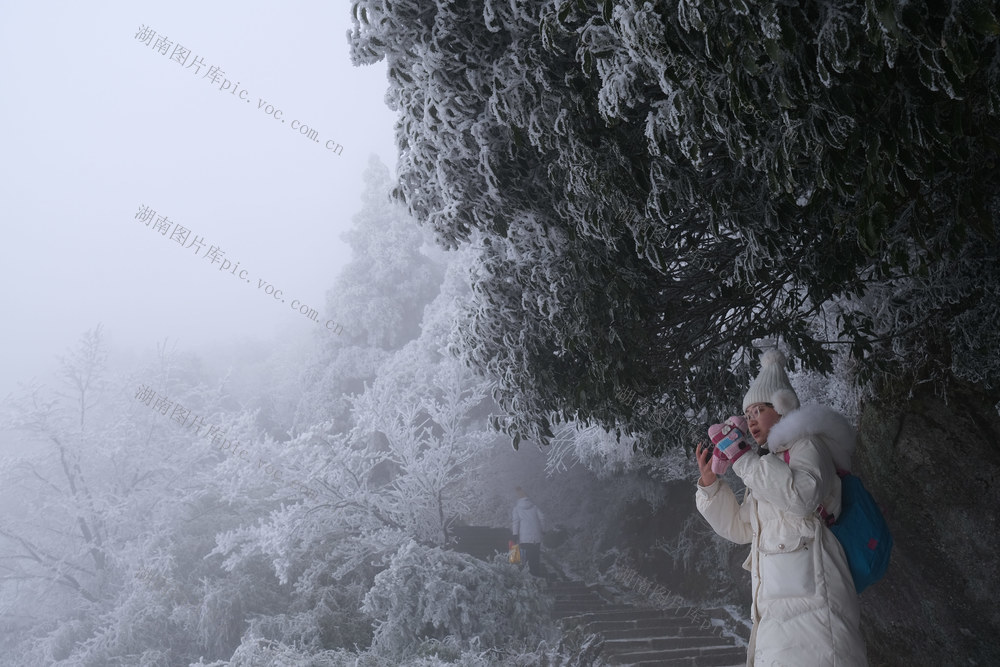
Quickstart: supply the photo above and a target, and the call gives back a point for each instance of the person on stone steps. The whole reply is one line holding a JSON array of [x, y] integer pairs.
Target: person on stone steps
[[529, 524], [804, 608]]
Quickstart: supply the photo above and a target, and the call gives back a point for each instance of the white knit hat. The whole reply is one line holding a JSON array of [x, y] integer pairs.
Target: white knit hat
[[772, 385]]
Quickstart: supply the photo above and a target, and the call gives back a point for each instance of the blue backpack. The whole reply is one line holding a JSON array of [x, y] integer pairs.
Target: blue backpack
[[861, 530]]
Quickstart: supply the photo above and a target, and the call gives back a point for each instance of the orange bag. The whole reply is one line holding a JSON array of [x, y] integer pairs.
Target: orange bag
[[515, 553]]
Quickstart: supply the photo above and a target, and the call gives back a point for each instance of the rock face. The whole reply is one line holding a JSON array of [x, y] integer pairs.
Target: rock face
[[935, 469]]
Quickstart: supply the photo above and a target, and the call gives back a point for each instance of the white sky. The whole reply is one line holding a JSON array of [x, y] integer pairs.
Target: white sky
[[95, 123]]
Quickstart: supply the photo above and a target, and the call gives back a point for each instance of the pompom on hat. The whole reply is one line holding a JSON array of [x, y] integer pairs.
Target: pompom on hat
[[772, 385]]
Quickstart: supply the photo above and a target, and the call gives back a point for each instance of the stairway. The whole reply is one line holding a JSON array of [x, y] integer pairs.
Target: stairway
[[634, 635]]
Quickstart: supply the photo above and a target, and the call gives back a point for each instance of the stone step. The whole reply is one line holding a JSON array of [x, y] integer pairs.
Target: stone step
[[594, 605], [627, 613], [642, 619], [704, 656], [698, 661], [629, 623], [563, 597], [656, 631], [657, 642], [575, 612], [583, 616], [643, 636]]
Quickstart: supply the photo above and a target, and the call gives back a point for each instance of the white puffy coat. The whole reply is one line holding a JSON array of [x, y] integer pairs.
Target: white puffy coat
[[529, 522], [805, 609]]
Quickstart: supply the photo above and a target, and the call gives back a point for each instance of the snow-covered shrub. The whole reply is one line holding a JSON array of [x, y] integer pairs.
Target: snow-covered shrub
[[431, 593], [707, 562]]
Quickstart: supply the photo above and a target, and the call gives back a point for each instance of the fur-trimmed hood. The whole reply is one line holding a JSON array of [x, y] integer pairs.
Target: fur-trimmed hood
[[816, 420]]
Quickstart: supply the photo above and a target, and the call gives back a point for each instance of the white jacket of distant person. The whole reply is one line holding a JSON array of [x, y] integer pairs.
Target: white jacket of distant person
[[529, 522], [805, 610]]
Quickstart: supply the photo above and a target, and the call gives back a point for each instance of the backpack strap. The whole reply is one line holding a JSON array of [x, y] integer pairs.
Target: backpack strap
[[828, 518]]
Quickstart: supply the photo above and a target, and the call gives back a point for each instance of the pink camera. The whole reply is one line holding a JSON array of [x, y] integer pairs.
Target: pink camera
[[730, 440]]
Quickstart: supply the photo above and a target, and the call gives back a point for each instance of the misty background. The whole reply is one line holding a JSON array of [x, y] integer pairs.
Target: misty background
[[97, 123], [156, 408]]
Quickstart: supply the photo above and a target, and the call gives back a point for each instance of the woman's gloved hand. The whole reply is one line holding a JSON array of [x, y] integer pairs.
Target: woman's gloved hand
[[730, 439], [720, 462]]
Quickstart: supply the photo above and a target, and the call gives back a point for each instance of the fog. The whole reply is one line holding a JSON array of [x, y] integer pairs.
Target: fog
[[97, 124]]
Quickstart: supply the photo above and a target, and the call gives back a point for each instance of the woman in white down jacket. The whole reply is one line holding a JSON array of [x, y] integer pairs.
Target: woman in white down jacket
[[805, 609]]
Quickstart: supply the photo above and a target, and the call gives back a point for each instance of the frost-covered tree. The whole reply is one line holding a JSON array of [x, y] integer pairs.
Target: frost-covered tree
[[402, 470], [655, 185], [115, 500], [60, 540], [378, 298], [381, 293], [430, 593]]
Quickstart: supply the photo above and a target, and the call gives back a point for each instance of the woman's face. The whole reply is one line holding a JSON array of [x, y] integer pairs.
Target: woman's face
[[760, 418]]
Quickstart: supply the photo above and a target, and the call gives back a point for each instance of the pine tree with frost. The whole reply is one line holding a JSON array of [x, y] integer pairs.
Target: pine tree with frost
[[654, 186]]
